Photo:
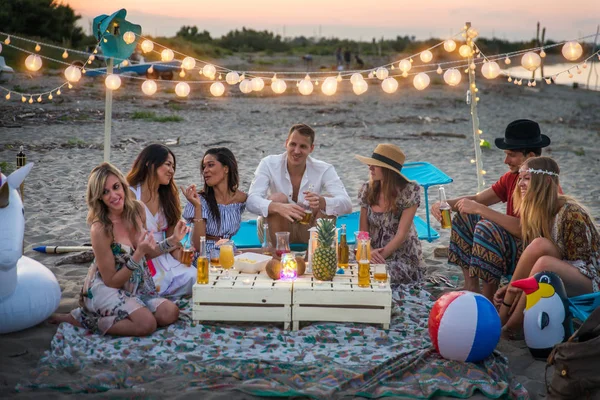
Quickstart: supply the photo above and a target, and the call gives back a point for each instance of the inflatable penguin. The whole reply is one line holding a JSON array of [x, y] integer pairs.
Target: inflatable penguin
[[547, 320]]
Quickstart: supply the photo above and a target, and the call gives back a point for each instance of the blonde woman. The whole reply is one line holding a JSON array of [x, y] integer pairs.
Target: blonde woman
[[118, 295], [560, 236]]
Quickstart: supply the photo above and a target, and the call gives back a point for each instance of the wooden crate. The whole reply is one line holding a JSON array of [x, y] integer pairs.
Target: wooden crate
[[341, 300], [246, 297]]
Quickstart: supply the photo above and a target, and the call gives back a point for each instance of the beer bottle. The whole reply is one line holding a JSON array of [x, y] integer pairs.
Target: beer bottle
[[202, 263], [445, 210], [343, 248], [364, 267], [187, 253]]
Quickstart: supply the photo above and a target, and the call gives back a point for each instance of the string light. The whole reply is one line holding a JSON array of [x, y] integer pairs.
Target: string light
[[37, 47], [389, 85], [452, 77], [360, 87], [23, 99], [30, 100], [147, 46], [507, 61], [58, 92], [465, 50], [39, 99], [339, 77], [73, 74], [449, 45], [257, 84], [490, 69], [572, 50], [209, 71], [129, 37], [182, 89], [531, 61], [50, 96], [245, 86], [439, 70], [421, 81], [188, 63], [542, 53], [167, 55], [404, 65], [33, 62], [112, 81], [149, 87], [217, 89], [182, 73], [426, 56], [382, 73], [232, 78], [305, 87], [7, 40], [329, 86], [65, 55], [278, 86], [356, 77], [7, 97]]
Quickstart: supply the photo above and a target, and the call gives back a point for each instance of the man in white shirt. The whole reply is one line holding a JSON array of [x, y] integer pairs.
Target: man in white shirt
[[288, 186]]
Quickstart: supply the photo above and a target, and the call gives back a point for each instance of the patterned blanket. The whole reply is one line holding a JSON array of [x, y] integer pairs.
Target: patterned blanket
[[322, 360]]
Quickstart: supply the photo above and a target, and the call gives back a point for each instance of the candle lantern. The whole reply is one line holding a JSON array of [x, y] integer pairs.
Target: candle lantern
[[289, 267]]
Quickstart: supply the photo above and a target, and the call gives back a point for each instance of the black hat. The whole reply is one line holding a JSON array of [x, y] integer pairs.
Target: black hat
[[522, 134]]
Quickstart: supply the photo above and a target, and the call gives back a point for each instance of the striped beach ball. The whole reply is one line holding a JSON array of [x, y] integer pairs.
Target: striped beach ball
[[464, 326]]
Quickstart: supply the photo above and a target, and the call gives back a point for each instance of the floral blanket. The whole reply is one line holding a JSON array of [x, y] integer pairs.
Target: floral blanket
[[322, 360]]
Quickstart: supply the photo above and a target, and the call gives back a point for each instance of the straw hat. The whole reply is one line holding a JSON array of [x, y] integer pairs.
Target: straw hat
[[386, 155]]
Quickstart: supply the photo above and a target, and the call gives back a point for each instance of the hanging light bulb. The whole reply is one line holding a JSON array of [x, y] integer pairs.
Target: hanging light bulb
[[426, 56], [329, 86], [7, 97], [356, 77], [7, 40], [360, 87], [278, 86], [125, 63], [533, 83], [91, 58], [548, 81], [246, 86], [570, 74], [39, 99], [129, 37], [542, 53], [370, 75], [404, 74], [37, 47], [217, 89], [149, 87], [452, 76], [572, 50], [65, 54], [58, 92], [305, 87], [209, 71], [339, 77], [112, 81], [381, 73], [182, 73], [507, 61], [472, 66], [50, 96], [465, 50], [404, 65], [449, 45], [182, 89], [490, 69], [69, 86], [167, 55], [578, 70], [30, 100], [147, 46], [389, 85], [257, 84], [232, 77], [439, 70], [73, 74], [23, 99], [509, 79], [531, 61], [421, 81], [584, 66], [33, 62], [188, 63]]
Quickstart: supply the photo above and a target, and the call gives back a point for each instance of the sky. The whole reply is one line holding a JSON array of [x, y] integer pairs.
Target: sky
[[354, 19]]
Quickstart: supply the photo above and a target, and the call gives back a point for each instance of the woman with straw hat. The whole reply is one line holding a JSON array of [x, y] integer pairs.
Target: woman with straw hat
[[388, 204]]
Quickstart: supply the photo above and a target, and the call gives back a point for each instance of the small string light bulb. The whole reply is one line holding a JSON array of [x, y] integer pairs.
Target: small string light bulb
[[439, 70], [570, 74], [507, 60], [339, 77], [578, 70], [392, 67], [70, 86], [307, 77], [483, 172], [91, 58], [39, 99], [37, 47], [7, 97], [151, 69], [95, 51], [182, 73], [404, 74], [542, 53], [534, 84], [65, 54], [411, 60], [83, 70], [472, 161], [50, 97], [529, 83], [23, 99], [509, 79], [220, 77], [466, 70], [7, 40], [30, 100], [584, 66], [479, 131], [317, 82], [548, 81], [105, 40], [58, 92]]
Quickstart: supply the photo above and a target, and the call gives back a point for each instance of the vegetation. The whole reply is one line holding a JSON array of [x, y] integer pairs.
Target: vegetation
[[151, 116]]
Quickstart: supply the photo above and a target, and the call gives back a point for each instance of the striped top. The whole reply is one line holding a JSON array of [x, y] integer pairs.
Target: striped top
[[231, 218]]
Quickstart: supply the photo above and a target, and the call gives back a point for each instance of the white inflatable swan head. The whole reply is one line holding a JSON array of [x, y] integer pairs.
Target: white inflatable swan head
[[12, 228]]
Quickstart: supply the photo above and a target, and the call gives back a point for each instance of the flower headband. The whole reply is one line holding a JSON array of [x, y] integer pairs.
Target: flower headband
[[540, 171]]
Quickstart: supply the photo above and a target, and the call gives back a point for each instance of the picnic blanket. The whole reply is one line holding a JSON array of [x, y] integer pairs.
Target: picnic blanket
[[321, 360]]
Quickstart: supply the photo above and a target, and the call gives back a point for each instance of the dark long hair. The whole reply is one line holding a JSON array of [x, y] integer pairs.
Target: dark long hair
[[144, 169], [391, 184], [225, 157]]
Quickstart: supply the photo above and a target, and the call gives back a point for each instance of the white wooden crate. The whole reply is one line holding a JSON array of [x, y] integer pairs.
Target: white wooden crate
[[341, 300], [246, 297]]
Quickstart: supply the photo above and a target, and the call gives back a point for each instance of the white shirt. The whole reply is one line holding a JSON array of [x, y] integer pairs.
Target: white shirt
[[272, 176]]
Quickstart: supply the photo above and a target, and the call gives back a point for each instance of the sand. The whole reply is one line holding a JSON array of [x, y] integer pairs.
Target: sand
[[64, 138]]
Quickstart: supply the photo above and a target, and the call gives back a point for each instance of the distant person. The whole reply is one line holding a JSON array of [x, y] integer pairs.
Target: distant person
[[308, 59], [338, 57], [359, 61], [347, 58]]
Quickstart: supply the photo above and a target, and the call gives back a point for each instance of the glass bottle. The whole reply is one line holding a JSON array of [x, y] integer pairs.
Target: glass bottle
[[307, 210], [187, 251], [202, 263], [266, 246], [343, 249], [445, 210], [364, 267]]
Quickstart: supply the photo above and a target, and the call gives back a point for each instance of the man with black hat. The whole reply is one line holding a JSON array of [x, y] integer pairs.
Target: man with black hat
[[485, 243]]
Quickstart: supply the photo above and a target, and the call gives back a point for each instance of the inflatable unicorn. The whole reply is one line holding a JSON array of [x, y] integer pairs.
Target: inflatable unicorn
[[29, 292]]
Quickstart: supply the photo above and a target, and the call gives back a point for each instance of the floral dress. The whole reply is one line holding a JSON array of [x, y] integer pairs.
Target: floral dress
[[578, 241], [406, 264], [102, 306]]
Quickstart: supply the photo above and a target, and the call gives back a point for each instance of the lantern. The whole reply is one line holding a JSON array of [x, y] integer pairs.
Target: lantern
[[421, 81], [245, 86], [381, 73], [289, 267], [329, 87], [232, 77], [355, 77], [449, 45], [452, 77], [278, 86], [182, 89], [490, 69], [464, 50], [167, 55], [389, 85], [73, 74], [572, 50], [217, 89], [33, 62], [360, 87], [112, 81], [257, 84], [305, 87], [129, 37], [405, 65], [426, 56], [188, 63], [531, 61], [149, 87], [147, 46], [209, 71]]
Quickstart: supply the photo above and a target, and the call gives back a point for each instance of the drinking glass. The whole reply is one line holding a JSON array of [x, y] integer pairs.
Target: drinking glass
[[226, 258], [307, 218], [380, 274], [214, 259], [283, 243]]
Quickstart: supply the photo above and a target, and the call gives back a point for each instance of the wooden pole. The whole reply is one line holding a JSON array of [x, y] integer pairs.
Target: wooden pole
[[108, 114], [593, 67], [542, 63], [474, 117], [536, 44]]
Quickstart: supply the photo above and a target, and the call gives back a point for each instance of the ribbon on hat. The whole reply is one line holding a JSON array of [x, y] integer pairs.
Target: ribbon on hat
[[387, 160]]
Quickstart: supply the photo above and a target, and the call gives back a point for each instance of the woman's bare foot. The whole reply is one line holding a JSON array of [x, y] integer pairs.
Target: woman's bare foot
[[508, 333], [59, 318]]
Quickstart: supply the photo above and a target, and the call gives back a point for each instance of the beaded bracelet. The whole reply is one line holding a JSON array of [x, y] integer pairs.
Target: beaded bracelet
[[133, 265], [164, 246]]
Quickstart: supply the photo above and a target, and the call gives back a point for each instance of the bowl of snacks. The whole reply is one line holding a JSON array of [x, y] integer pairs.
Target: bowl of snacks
[[251, 263]]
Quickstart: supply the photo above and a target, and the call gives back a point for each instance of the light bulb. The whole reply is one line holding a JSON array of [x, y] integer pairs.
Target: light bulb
[[584, 66], [182, 89], [507, 61], [65, 54], [50, 96], [129, 37], [542, 53], [232, 77], [7, 97], [426, 56], [23, 99], [382, 73], [33, 62], [149, 87], [91, 58], [58, 92], [509, 79], [531, 61], [147, 46], [572, 50], [305, 87], [246, 86], [533, 83], [39, 99], [389, 85], [439, 70], [421, 81], [151, 69], [370, 75], [37, 47], [411, 60], [404, 74], [449, 45], [356, 77], [257, 84], [278, 86], [217, 89], [125, 63], [7, 40], [490, 69], [464, 50], [360, 87], [404, 65], [73, 74], [112, 81], [579, 71], [209, 71], [70, 86], [329, 86], [167, 55], [472, 66], [548, 81], [182, 73], [339, 78], [188, 63], [452, 76]]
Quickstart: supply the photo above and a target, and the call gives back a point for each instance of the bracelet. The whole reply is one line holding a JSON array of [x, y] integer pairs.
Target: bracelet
[[196, 220], [164, 246], [506, 305], [133, 265]]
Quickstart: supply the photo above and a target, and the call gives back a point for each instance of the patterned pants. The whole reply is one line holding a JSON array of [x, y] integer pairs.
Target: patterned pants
[[485, 249]]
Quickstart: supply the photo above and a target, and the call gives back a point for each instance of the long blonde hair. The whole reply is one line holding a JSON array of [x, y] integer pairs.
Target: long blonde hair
[[391, 184], [97, 210]]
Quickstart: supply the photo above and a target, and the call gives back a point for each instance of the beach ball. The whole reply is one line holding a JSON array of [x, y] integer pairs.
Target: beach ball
[[464, 326]]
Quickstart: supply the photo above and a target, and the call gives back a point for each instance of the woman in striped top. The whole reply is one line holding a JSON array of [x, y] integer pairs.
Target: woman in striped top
[[217, 209]]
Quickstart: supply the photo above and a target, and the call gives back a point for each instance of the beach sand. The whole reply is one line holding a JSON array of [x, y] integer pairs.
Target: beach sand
[[64, 138]]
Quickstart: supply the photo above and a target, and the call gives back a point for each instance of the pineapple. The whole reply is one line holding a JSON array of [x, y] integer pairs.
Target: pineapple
[[324, 260]]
